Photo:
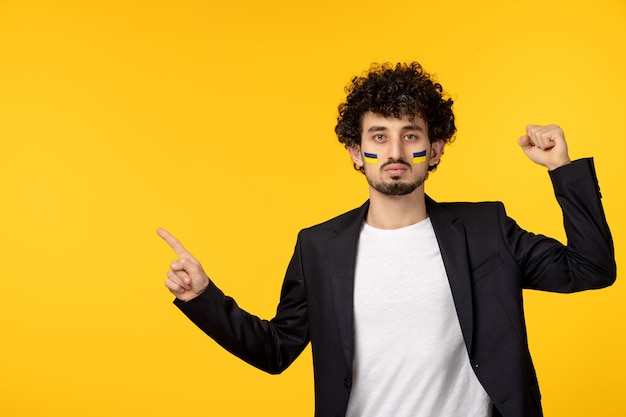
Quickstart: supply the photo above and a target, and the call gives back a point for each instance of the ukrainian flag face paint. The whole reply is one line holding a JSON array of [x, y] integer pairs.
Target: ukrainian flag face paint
[[370, 158], [419, 157]]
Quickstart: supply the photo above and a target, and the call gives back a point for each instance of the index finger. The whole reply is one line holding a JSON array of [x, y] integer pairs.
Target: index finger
[[173, 242]]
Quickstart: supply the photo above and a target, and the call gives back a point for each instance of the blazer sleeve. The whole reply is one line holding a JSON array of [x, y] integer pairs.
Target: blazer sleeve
[[588, 259], [270, 345]]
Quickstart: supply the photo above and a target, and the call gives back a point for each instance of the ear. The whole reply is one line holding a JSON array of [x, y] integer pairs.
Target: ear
[[436, 150], [356, 155]]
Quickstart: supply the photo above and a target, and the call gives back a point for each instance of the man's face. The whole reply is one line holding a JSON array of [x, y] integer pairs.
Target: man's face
[[395, 153]]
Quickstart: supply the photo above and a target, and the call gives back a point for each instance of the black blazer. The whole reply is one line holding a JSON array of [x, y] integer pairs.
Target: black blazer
[[488, 258]]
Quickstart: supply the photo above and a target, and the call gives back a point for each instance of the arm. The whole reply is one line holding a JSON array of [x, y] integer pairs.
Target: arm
[[587, 262], [268, 345], [588, 259]]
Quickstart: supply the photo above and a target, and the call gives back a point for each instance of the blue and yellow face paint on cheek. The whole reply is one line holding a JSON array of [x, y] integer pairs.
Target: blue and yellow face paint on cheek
[[370, 158], [419, 157]]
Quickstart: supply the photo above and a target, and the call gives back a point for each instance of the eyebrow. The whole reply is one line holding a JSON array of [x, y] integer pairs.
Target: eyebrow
[[376, 128]]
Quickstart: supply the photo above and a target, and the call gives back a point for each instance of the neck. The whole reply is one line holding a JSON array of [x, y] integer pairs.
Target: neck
[[394, 212]]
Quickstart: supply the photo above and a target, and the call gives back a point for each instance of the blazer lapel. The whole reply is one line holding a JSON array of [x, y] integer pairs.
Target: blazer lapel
[[342, 249], [450, 234]]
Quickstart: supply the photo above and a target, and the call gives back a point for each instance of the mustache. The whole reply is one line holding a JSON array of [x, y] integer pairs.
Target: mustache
[[395, 161]]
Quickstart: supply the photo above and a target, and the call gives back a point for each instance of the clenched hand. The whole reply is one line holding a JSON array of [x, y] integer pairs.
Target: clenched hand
[[545, 145]]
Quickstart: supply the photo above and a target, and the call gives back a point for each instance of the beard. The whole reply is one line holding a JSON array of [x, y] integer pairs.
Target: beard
[[395, 187]]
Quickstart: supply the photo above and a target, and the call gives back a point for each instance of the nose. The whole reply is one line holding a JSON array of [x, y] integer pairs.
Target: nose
[[396, 149]]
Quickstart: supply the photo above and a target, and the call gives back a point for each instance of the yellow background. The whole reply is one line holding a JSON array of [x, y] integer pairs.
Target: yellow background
[[215, 120]]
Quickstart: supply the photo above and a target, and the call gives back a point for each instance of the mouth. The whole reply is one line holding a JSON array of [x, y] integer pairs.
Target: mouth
[[395, 172], [395, 169]]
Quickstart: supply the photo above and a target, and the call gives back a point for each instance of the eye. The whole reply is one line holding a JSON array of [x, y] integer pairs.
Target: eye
[[379, 137], [410, 137]]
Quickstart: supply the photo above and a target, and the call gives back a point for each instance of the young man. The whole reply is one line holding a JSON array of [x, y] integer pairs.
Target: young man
[[413, 307]]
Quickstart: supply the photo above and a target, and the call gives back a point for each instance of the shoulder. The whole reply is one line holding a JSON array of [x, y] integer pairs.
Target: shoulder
[[341, 221], [464, 209]]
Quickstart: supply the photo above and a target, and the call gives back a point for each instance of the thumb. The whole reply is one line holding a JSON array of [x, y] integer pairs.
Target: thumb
[[524, 142], [188, 264]]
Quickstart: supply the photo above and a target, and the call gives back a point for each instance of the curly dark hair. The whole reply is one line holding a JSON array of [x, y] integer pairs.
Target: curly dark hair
[[395, 90]]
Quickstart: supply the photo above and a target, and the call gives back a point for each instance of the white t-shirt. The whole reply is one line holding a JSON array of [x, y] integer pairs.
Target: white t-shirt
[[410, 358]]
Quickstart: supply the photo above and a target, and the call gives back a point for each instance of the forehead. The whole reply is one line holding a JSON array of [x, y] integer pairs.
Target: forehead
[[406, 122]]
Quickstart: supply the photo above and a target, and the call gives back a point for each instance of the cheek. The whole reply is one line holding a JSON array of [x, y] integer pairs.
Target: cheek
[[371, 170], [370, 158], [419, 157]]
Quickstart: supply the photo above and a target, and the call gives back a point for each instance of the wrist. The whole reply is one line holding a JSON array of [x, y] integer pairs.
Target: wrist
[[552, 167]]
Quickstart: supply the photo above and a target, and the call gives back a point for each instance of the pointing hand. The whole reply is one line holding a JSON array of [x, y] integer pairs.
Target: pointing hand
[[186, 279]]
